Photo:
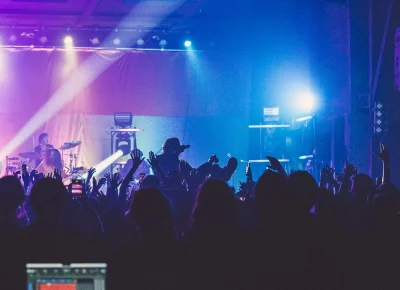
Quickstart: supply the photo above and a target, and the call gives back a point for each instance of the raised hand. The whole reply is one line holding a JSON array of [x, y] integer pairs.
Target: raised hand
[[101, 182], [135, 155], [349, 169], [276, 165], [249, 172], [115, 181], [152, 159], [90, 173], [213, 159], [383, 154]]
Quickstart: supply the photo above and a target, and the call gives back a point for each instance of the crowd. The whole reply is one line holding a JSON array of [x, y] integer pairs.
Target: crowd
[[185, 228]]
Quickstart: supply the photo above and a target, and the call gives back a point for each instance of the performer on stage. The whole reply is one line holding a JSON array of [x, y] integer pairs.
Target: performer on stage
[[51, 162], [169, 159], [42, 147]]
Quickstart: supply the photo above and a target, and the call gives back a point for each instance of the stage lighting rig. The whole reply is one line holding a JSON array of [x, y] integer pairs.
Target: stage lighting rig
[[123, 120], [140, 42], [95, 41], [123, 143], [163, 43]]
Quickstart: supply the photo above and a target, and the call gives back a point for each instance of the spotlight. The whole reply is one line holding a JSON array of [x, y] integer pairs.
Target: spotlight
[[379, 121], [123, 143], [43, 39], [140, 42], [379, 106], [378, 130], [12, 38], [163, 43], [103, 165], [306, 101], [68, 42], [379, 113], [117, 41], [95, 41], [187, 43]]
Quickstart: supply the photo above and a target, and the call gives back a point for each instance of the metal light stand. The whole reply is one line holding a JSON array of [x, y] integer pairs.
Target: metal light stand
[[113, 133]]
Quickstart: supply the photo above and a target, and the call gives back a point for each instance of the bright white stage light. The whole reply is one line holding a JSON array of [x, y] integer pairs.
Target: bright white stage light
[[304, 118], [117, 41], [187, 43], [306, 101], [306, 157], [103, 165], [68, 42], [269, 126], [100, 167]]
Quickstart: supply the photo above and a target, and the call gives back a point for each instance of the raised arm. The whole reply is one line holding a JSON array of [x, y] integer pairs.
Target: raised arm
[[349, 170], [384, 156], [156, 166], [136, 161]]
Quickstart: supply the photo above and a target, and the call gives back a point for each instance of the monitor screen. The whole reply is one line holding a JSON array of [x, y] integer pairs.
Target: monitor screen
[[66, 277]]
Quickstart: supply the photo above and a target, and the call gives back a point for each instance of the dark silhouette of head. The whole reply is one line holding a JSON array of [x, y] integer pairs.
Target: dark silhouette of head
[[271, 196], [150, 181], [53, 158], [362, 186], [171, 146], [215, 207], [303, 191], [12, 195], [43, 138], [48, 198], [151, 210]]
